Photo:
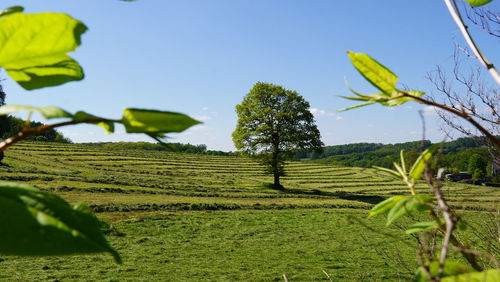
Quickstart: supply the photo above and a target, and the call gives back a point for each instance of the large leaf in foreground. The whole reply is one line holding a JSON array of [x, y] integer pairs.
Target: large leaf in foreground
[[34, 48], [155, 122], [38, 224], [47, 112]]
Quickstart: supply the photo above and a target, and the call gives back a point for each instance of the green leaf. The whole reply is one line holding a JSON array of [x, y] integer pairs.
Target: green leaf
[[356, 98], [374, 72], [396, 100], [35, 223], [109, 126], [477, 3], [385, 205], [408, 205], [383, 79], [35, 46], [45, 72], [47, 112], [11, 10], [155, 122], [403, 163], [490, 275], [421, 226], [418, 167], [393, 172], [450, 268], [399, 169], [357, 106]]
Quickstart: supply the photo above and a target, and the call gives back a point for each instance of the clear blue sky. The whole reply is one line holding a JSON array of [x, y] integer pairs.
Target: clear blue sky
[[201, 57]]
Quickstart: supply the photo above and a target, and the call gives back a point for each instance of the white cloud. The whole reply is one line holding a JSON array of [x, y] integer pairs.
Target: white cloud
[[198, 128], [202, 118], [413, 132], [429, 111], [319, 112], [339, 118], [205, 108]]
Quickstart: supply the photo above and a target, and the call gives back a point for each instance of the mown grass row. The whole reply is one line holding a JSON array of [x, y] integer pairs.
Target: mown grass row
[[164, 179], [182, 217]]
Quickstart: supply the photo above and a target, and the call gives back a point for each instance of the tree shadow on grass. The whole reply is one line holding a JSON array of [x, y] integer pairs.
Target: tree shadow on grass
[[371, 199]]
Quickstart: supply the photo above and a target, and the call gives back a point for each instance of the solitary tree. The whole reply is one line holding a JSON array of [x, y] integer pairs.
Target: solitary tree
[[274, 122], [476, 162]]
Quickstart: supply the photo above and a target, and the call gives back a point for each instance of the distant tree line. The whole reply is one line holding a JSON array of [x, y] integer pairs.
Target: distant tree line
[[10, 126], [463, 154], [174, 147]]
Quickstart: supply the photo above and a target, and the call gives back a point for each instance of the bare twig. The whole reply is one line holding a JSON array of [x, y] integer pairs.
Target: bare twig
[[461, 113], [449, 226]]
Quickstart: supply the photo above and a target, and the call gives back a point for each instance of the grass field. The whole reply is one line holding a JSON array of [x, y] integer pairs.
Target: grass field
[[184, 217]]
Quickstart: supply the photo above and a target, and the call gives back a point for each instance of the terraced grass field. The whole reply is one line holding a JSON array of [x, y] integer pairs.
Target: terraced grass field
[[183, 217]]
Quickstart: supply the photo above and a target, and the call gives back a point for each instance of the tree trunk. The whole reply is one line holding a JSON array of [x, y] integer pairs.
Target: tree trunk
[[276, 173], [276, 165]]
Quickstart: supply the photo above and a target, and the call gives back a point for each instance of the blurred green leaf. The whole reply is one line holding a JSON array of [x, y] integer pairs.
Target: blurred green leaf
[[393, 172], [450, 268], [35, 46], [47, 112], [418, 167], [36, 223], [403, 163], [155, 122], [421, 226], [491, 275], [11, 10], [385, 205], [408, 205], [83, 116], [399, 169], [477, 3], [396, 100]]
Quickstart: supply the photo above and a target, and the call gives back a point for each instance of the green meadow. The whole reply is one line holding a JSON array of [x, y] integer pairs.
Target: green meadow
[[187, 217]]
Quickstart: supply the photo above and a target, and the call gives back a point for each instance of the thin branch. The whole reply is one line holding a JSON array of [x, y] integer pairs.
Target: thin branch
[[463, 114], [450, 221], [455, 14]]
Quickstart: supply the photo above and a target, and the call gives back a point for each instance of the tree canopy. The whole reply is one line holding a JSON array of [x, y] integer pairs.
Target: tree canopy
[[273, 123]]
